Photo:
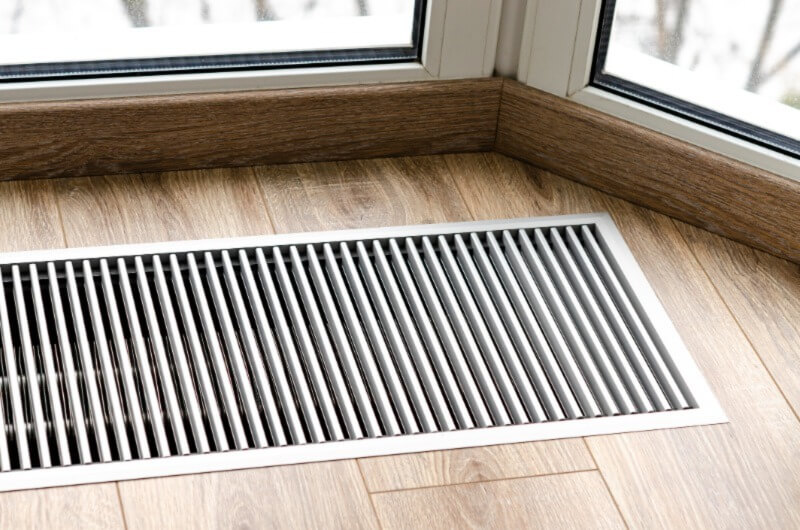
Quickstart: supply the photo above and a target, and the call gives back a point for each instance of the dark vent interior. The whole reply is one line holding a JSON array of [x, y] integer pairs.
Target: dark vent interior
[[142, 356]]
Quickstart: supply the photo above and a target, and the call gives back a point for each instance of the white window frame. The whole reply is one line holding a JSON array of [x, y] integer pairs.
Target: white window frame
[[460, 40], [556, 53]]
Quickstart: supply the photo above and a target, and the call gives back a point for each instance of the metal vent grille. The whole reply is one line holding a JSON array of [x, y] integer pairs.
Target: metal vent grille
[[124, 362]]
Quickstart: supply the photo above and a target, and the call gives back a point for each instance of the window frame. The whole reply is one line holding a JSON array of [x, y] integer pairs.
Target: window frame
[[459, 41], [557, 53]]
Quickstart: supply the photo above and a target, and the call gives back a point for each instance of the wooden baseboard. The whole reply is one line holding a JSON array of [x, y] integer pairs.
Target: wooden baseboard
[[101, 137], [684, 181]]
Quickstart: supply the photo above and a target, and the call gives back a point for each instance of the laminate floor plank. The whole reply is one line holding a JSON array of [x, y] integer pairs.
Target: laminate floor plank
[[387, 192], [573, 500], [475, 464], [161, 206], [745, 474], [29, 220], [360, 194], [196, 205], [326, 495], [763, 293]]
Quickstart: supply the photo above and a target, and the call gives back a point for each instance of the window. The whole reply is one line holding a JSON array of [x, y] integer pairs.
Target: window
[[95, 38], [83, 49], [731, 64]]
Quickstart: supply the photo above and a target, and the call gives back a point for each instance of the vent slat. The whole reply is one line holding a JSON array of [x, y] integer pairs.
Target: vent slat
[[31, 371], [5, 456], [398, 394], [476, 340], [74, 402], [51, 377], [349, 363], [310, 348], [546, 319], [206, 387], [255, 362], [325, 347], [657, 398], [434, 346], [307, 349], [106, 366], [173, 408], [464, 332], [306, 400], [580, 321], [234, 355], [582, 275], [415, 348], [587, 365], [274, 362], [156, 419], [455, 356], [87, 367], [222, 376], [640, 332], [515, 329], [392, 332], [134, 409], [12, 377], [181, 363], [521, 380], [357, 335]]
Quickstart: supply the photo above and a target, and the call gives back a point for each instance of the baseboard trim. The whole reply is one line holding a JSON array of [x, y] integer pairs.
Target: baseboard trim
[[125, 135], [684, 181], [151, 134]]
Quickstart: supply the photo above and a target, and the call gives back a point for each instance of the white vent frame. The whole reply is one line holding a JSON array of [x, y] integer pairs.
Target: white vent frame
[[708, 410]]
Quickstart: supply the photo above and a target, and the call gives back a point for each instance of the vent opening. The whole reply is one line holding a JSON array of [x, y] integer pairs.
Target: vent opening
[[170, 358]]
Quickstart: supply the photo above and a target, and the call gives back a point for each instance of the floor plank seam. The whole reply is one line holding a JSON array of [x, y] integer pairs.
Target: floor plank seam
[[369, 495], [485, 481], [461, 195], [61, 220], [121, 506], [264, 200], [738, 324], [605, 483]]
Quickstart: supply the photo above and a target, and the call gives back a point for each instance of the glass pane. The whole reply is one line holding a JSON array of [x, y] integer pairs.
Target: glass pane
[[66, 37], [740, 58]]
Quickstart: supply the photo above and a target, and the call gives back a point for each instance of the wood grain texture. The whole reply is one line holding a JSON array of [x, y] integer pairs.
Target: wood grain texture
[[28, 217], [79, 508], [162, 206], [199, 204], [575, 500], [477, 464], [387, 192], [96, 137], [360, 193], [745, 474], [673, 177], [763, 293], [29, 220], [328, 495]]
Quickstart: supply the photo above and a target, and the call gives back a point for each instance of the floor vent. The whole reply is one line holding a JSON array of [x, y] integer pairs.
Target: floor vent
[[149, 360]]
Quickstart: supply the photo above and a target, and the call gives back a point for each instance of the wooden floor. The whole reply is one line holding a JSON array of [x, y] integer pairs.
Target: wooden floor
[[738, 311]]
